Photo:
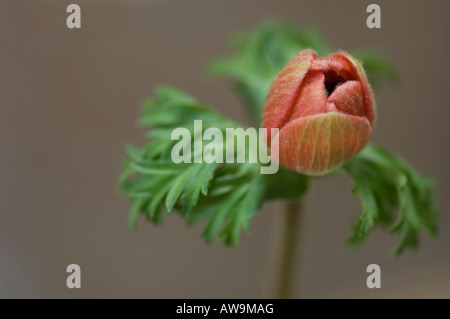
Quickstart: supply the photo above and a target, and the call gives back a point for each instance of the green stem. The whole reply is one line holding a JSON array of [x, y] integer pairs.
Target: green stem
[[285, 248]]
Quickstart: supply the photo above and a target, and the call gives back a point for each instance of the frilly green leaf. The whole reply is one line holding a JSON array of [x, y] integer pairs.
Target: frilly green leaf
[[387, 184]]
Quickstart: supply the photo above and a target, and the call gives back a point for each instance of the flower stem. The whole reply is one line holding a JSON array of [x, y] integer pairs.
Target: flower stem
[[283, 266]]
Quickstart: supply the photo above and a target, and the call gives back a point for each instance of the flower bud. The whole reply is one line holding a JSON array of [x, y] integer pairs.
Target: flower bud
[[324, 110]]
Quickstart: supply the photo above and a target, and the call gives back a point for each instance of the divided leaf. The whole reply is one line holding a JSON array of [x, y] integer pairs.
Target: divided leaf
[[227, 194], [386, 183]]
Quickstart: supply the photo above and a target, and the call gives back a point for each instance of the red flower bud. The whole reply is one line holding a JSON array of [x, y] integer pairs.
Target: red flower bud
[[324, 109]]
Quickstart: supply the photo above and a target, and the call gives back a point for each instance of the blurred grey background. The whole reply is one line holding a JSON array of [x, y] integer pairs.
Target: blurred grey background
[[69, 101]]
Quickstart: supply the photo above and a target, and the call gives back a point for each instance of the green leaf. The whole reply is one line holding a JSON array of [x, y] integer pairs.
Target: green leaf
[[227, 194], [134, 152], [198, 185], [219, 216], [240, 217], [386, 184], [155, 168], [156, 198], [177, 187], [134, 211]]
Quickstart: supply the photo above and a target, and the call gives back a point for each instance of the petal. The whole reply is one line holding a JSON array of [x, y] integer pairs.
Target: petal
[[370, 107], [348, 98], [318, 144], [285, 89], [335, 65], [312, 98]]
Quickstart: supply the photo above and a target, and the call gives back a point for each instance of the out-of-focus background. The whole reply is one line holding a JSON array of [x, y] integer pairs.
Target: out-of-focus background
[[69, 101]]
